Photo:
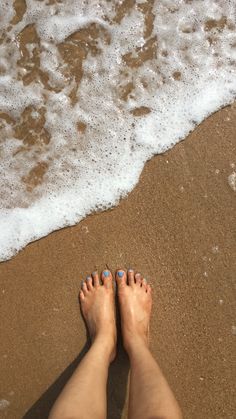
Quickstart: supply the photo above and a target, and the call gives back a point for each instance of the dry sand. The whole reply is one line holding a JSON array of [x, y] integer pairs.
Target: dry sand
[[178, 228]]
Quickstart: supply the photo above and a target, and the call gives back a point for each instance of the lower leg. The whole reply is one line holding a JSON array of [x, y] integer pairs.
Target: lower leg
[[150, 395], [97, 304], [75, 400]]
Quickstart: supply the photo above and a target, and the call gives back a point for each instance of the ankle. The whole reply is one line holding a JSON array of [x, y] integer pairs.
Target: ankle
[[135, 344], [106, 344]]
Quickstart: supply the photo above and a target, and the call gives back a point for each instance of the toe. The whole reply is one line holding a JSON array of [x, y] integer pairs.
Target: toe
[[138, 279], [130, 276], [144, 283], [84, 288], [81, 296], [89, 282], [121, 278], [95, 279], [149, 289], [107, 278]]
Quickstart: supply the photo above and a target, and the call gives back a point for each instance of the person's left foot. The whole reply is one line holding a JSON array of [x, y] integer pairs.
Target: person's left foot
[[98, 308]]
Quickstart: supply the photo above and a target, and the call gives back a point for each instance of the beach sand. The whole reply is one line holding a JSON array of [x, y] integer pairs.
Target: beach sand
[[178, 228]]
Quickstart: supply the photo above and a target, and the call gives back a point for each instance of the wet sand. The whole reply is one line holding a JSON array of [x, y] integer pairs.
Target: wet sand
[[178, 228]]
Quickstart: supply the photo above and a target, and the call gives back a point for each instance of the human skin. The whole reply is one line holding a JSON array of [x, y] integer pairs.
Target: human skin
[[84, 396]]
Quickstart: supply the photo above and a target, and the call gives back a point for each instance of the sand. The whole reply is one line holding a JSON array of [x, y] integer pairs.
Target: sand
[[178, 228]]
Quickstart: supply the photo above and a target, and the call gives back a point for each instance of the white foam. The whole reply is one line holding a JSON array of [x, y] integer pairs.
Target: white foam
[[93, 170], [232, 181], [4, 404]]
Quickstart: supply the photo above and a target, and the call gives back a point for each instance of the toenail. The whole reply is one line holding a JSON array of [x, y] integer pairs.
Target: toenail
[[130, 270], [94, 273], [106, 273], [120, 274], [144, 280], [88, 277]]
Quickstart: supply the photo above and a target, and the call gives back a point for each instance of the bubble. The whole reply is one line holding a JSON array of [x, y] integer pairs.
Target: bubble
[[232, 181], [4, 404]]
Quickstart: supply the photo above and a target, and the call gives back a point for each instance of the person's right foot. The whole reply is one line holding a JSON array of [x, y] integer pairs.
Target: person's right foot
[[98, 308], [135, 307]]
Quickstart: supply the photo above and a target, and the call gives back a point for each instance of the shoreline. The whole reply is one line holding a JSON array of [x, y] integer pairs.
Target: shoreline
[[178, 228]]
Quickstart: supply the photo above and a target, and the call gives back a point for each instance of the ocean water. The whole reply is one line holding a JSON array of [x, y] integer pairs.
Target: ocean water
[[90, 90]]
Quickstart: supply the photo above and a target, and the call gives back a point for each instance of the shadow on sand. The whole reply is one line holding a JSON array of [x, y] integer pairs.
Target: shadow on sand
[[116, 387]]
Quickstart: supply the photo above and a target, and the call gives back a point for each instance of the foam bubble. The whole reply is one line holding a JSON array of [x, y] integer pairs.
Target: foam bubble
[[89, 92], [232, 181], [4, 404]]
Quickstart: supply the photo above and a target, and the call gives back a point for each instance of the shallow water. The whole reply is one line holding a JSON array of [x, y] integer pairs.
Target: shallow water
[[90, 90]]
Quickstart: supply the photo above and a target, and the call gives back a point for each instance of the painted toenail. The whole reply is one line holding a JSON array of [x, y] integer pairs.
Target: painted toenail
[[88, 277], [94, 273], [120, 274], [130, 270], [106, 273]]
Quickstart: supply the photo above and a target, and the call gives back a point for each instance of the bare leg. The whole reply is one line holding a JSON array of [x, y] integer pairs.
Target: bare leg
[[150, 395], [84, 396]]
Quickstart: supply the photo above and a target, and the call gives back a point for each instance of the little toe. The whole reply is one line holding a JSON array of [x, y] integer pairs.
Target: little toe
[[89, 282], [130, 276], [121, 278], [144, 283], [81, 296], [107, 278], [138, 278], [149, 289], [95, 276]]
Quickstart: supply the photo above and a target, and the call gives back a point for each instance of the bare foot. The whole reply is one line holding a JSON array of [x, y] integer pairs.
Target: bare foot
[[135, 307], [98, 308]]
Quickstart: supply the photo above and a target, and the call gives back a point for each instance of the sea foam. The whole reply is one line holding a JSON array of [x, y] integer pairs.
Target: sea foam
[[90, 90]]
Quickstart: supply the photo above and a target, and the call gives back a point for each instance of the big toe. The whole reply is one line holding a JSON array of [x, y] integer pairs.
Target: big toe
[[121, 278], [107, 278]]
